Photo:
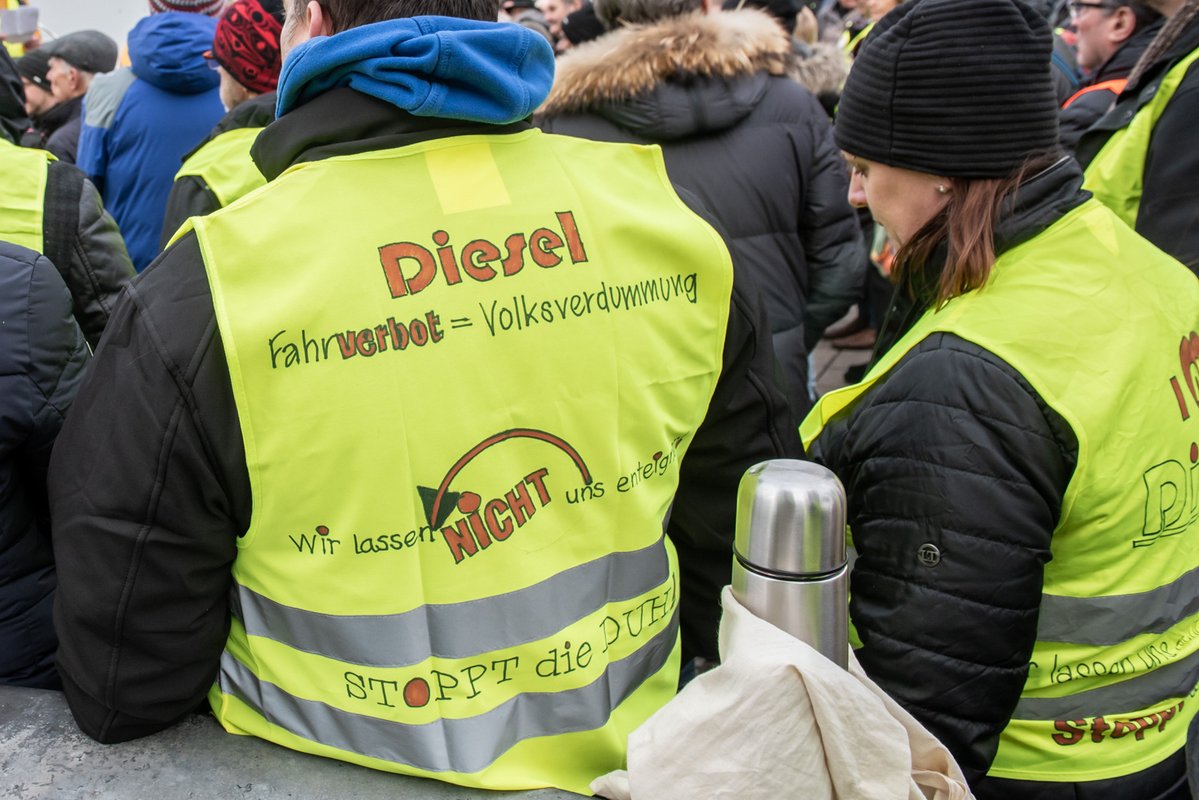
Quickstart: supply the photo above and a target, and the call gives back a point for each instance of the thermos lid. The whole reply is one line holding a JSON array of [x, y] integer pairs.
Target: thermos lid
[[791, 518]]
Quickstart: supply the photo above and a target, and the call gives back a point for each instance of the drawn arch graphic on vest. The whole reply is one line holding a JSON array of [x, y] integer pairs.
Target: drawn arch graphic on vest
[[484, 522]]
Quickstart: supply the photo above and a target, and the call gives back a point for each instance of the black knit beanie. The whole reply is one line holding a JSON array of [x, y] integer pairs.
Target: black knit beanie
[[960, 88]]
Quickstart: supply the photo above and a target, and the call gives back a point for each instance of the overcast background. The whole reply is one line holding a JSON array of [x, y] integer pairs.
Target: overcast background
[[114, 17]]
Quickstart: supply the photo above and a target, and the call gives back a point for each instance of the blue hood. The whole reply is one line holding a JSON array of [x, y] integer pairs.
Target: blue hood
[[167, 50], [428, 66]]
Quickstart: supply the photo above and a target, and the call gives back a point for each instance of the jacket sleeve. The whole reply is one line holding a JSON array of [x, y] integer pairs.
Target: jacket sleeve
[[748, 421], [954, 450], [148, 494], [58, 355], [830, 235], [190, 197], [87, 246], [1169, 213]]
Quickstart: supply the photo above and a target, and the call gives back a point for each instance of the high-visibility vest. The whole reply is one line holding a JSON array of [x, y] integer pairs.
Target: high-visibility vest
[[24, 195], [850, 42], [225, 165], [1115, 86], [1116, 175], [1103, 326], [466, 371]]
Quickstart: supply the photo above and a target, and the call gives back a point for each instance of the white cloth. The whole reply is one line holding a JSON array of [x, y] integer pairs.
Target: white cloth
[[778, 720]]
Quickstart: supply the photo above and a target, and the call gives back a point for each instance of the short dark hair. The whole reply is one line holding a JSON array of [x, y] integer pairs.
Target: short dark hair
[[1144, 14], [346, 14]]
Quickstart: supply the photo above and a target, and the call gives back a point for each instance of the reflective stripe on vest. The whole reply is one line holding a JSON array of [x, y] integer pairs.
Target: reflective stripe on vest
[[465, 387], [225, 165], [1117, 653], [1116, 175], [1115, 86], [24, 194]]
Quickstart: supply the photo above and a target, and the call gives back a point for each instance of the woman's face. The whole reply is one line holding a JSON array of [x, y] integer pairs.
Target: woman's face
[[900, 200]]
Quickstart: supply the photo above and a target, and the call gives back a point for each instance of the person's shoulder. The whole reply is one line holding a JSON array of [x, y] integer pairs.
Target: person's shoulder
[[175, 300], [105, 95]]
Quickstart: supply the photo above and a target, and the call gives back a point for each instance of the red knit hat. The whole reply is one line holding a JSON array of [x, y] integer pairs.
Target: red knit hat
[[209, 7], [247, 43]]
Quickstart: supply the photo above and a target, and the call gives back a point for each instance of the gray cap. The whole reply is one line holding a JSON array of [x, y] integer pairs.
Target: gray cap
[[90, 51]]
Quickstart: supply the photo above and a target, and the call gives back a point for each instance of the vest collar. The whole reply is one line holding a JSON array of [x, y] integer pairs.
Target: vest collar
[[344, 122]]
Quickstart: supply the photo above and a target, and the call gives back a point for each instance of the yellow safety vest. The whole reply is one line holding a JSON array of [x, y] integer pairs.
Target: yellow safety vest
[[225, 165], [1112, 676], [466, 372], [23, 193], [1117, 173]]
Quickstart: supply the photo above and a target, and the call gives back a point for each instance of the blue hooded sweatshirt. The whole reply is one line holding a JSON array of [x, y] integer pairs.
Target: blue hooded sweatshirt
[[140, 122], [428, 66]]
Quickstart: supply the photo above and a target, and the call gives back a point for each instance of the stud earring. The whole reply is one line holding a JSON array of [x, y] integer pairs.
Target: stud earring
[[942, 189]]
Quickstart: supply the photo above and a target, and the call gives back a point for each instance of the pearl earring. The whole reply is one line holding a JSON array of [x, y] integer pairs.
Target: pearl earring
[[942, 189]]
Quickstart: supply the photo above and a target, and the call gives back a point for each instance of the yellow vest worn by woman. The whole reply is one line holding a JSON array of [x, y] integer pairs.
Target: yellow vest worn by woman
[[466, 372], [1103, 326]]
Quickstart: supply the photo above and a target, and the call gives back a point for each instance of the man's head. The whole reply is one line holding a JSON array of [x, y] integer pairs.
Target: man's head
[[307, 19], [76, 58], [1103, 26], [39, 95], [246, 50], [557, 10], [209, 7]]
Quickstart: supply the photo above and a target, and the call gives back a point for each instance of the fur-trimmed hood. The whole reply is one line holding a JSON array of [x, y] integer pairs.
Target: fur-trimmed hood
[[634, 61]]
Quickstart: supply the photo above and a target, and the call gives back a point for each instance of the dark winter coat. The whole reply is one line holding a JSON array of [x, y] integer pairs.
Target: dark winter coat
[[157, 409], [1169, 211], [754, 145], [57, 131], [42, 356], [190, 195], [954, 446], [1087, 108]]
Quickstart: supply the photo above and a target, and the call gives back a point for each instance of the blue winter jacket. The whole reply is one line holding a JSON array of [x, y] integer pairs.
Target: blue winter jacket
[[140, 122]]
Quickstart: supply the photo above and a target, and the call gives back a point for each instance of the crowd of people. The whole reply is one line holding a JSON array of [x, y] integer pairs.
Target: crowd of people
[[481, 535]]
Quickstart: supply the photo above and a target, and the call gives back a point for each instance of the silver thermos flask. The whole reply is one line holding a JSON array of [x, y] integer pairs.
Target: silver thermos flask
[[791, 567]]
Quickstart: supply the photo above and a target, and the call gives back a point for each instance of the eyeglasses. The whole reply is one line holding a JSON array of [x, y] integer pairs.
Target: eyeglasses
[[1076, 6]]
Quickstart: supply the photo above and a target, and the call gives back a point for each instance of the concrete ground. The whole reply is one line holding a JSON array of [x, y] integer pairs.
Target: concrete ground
[[830, 364]]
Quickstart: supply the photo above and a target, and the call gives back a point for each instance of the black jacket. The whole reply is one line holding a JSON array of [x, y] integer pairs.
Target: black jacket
[[145, 544], [953, 448], [83, 242], [1089, 107], [42, 356], [58, 130], [1169, 211], [190, 195], [756, 147]]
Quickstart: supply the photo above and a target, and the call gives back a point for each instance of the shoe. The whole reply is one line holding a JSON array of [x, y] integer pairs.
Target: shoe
[[843, 329], [862, 340]]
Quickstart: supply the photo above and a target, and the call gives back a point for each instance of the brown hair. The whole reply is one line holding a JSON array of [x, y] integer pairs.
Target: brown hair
[[346, 14], [966, 224]]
